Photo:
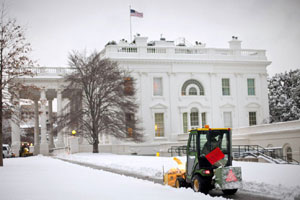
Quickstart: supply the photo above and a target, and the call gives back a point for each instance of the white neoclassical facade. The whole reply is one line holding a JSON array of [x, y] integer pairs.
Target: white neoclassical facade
[[180, 87]]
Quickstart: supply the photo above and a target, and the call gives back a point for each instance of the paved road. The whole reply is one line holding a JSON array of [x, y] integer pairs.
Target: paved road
[[243, 195]]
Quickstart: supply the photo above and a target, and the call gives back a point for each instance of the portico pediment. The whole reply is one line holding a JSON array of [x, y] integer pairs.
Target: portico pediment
[[197, 104], [227, 105], [252, 105], [159, 106]]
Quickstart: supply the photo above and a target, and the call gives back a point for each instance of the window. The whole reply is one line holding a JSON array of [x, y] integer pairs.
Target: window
[[128, 86], [157, 87], [192, 91], [185, 122], [193, 142], [203, 116], [225, 87], [194, 116], [129, 120], [251, 86], [252, 118], [289, 154], [159, 124], [196, 84], [227, 120]]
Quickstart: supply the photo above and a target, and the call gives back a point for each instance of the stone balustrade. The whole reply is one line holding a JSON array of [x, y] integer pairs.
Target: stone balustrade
[[52, 71], [179, 52]]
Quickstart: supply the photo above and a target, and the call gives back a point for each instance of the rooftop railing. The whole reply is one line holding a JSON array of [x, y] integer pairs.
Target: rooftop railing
[[51, 71], [177, 52]]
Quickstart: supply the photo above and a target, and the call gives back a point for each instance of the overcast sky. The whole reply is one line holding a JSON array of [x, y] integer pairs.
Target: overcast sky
[[56, 27]]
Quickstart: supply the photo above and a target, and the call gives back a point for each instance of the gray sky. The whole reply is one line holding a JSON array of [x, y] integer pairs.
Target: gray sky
[[56, 27]]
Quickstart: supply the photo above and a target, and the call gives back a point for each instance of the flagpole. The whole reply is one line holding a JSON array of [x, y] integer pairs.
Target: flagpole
[[130, 23]]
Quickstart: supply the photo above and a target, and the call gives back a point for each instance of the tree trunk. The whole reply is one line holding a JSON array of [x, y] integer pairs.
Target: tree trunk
[[95, 145], [1, 106]]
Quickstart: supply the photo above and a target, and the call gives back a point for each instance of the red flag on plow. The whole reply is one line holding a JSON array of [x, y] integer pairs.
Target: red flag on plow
[[215, 156]]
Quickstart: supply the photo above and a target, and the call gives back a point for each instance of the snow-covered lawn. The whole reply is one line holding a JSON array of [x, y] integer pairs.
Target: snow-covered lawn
[[274, 180], [45, 178]]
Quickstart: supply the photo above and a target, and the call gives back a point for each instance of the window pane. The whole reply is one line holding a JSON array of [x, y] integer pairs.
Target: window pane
[[128, 86], [203, 116], [194, 116], [194, 82], [225, 86], [192, 91], [185, 122], [193, 142], [159, 124], [130, 123], [252, 118], [227, 120], [157, 86], [251, 86]]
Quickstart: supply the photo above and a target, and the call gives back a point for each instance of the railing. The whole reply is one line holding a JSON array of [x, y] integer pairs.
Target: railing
[[156, 50], [179, 150], [128, 49], [190, 51], [110, 50], [241, 151], [51, 70]]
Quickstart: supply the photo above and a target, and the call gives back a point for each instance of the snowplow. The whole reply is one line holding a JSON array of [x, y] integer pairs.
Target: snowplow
[[209, 163], [24, 151]]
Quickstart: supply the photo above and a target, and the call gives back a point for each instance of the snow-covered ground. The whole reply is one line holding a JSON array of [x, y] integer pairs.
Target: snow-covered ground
[[45, 178], [274, 180]]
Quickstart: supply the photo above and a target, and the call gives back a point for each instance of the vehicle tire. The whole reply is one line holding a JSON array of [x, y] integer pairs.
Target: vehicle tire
[[230, 192], [180, 182], [3, 156], [200, 185]]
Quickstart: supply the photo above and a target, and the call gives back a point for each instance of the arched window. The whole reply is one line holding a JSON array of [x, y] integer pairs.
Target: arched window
[[197, 84], [192, 91], [289, 154], [194, 116]]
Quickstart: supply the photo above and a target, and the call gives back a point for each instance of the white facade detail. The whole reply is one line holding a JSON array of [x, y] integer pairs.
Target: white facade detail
[[189, 84], [178, 88]]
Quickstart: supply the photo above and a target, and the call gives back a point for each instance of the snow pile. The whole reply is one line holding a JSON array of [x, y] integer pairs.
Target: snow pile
[[273, 180], [145, 165], [45, 178]]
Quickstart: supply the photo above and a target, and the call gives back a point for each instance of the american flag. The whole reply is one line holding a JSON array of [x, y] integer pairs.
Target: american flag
[[135, 13]]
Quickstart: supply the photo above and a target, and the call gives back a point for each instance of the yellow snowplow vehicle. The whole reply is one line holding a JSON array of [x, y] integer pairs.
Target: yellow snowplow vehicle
[[24, 151], [209, 163]]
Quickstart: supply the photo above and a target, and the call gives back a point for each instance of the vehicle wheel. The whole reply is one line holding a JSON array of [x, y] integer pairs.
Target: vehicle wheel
[[180, 182], [229, 192], [3, 156], [200, 185]]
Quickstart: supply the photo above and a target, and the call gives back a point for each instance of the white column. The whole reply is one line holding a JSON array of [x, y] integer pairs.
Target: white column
[[60, 142], [264, 99], [51, 141], [44, 147], [15, 128], [36, 128]]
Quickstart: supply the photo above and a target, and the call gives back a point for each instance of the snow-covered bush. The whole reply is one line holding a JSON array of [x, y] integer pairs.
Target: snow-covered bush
[[284, 96]]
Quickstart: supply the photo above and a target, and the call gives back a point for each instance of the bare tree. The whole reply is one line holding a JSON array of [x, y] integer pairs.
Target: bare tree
[[102, 99], [14, 63]]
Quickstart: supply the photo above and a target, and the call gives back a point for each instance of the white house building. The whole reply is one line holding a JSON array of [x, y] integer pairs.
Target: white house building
[[180, 87]]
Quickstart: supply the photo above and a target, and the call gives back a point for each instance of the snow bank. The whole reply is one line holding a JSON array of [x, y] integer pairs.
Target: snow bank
[[274, 180], [45, 178]]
